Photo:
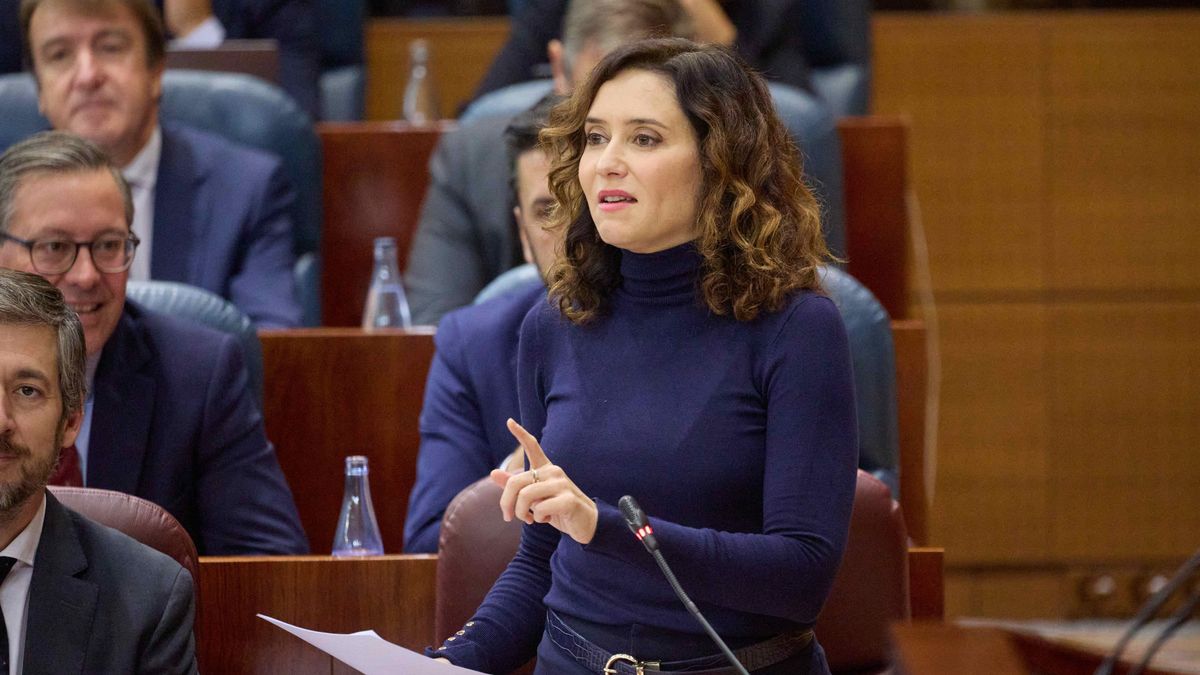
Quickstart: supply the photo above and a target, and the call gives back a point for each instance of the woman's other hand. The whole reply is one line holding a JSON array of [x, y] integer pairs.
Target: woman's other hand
[[545, 494]]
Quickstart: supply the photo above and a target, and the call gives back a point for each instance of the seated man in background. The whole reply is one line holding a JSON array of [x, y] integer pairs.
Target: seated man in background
[[472, 385], [202, 24], [169, 417], [77, 596], [209, 213], [766, 33], [464, 237]]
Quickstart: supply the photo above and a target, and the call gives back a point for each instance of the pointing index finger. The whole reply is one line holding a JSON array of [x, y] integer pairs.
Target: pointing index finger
[[533, 449]]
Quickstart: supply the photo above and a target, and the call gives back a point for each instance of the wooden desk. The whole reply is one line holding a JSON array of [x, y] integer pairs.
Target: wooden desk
[[259, 58], [333, 392], [394, 595], [373, 185]]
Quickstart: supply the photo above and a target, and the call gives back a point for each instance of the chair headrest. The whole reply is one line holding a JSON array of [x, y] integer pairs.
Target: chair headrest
[[142, 520], [871, 588], [208, 309]]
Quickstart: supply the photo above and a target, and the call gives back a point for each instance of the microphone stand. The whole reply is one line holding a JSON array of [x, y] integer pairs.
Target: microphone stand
[[635, 518], [1147, 612]]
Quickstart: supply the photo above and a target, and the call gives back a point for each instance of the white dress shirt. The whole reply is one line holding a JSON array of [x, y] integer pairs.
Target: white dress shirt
[[14, 592], [142, 176], [209, 34]]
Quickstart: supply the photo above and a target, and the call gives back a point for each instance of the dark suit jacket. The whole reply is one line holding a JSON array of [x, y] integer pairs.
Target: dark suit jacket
[[10, 37], [174, 422], [221, 223], [768, 39], [292, 23], [470, 392], [100, 602], [466, 235]]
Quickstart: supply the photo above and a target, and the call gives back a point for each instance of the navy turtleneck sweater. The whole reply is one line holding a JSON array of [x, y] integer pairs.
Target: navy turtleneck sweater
[[738, 439]]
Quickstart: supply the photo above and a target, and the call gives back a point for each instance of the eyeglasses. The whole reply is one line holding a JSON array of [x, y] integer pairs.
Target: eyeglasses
[[110, 252]]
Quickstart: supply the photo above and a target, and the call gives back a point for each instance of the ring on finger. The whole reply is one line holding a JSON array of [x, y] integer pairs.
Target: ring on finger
[[535, 476]]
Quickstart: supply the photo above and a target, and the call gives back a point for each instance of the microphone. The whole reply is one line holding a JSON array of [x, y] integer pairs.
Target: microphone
[[635, 518], [1148, 612]]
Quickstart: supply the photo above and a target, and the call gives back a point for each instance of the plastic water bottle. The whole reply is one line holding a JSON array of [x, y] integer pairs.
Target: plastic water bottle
[[357, 530], [386, 306], [420, 97]]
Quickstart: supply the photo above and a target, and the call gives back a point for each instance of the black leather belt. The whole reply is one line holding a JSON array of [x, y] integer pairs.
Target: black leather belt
[[753, 657]]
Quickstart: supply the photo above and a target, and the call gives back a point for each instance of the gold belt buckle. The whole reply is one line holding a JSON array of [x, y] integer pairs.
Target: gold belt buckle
[[617, 658]]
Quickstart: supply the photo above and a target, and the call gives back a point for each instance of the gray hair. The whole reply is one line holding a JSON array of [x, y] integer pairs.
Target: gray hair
[[53, 152], [29, 300], [609, 24]]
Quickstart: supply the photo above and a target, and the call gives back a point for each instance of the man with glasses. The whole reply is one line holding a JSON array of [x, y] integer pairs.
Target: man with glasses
[[169, 415]]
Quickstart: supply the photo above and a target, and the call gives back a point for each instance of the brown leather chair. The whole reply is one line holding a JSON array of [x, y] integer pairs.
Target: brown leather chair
[[142, 520], [474, 547], [870, 592]]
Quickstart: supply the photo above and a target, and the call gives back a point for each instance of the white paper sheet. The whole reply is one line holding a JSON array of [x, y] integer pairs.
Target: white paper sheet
[[370, 654]]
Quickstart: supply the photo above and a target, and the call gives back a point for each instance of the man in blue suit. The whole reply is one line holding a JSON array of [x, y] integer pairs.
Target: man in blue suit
[[77, 597], [170, 417], [209, 213], [472, 385]]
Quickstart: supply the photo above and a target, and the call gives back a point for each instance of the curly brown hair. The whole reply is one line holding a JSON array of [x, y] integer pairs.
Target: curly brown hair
[[759, 229]]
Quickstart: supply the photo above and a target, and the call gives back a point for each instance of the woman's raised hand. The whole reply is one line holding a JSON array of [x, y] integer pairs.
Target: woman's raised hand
[[545, 494]]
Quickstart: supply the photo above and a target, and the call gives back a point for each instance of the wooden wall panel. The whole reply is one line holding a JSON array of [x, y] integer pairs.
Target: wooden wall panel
[[1056, 157], [1123, 461], [1013, 593], [993, 360], [976, 143], [991, 500], [1124, 139], [460, 52]]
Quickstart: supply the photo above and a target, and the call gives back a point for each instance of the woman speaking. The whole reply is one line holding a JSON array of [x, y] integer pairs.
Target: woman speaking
[[687, 358]]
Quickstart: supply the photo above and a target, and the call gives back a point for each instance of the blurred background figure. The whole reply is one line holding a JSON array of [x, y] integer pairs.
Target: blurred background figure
[[207, 23], [472, 384], [465, 236], [764, 32]]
